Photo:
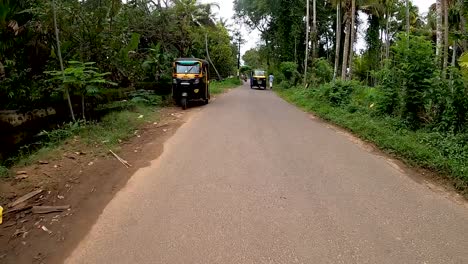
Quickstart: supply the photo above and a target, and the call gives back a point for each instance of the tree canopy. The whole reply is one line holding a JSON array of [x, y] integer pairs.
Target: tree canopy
[[134, 41]]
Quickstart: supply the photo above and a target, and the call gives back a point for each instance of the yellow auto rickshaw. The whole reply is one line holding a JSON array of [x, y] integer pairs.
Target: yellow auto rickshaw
[[190, 81], [258, 79]]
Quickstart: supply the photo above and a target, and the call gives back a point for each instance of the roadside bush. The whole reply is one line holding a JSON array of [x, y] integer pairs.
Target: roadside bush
[[448, 103], [388, 100], [146, 97], [289, 71], [338, 93], [416, 69], [4, 172], [364, 98], [322, 72]]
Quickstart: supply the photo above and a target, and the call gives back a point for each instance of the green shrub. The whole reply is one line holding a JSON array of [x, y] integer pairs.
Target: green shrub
[[289, 71], [4, 172], [146, 97], [339, 92], [217, 87], [321, 72], [415, 69]]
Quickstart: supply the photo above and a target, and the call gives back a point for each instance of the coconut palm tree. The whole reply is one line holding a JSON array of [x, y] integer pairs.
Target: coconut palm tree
[[306, 58], [353, 36], [347, 19], [338, 4], [439, 32], [446, 35]]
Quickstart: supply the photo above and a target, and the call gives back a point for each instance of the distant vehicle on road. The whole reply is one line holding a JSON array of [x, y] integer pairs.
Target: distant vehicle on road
[[258, 79]]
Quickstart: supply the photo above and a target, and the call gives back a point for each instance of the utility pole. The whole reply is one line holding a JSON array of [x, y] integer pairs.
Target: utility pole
[[238, 41], [307, 45]]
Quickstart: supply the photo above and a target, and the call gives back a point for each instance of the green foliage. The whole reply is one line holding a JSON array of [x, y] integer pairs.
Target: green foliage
[[390, 95], [245, 69], [81, 76], [289, 71], [321, 72], [338, 93], [134, 41], [281, 26], [218, 87], [417, 68], [252, 58], [146, 97], [4, 172], [158, 65], [463, 60]]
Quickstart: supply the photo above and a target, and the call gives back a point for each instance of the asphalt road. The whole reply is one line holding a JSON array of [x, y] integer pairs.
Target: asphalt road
[[252, 179]]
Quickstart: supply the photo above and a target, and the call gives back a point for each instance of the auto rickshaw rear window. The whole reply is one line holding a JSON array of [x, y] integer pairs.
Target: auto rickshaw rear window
[[259, 73], [188, 68]]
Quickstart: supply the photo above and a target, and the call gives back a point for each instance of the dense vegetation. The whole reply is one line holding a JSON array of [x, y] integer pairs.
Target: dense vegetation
[[407, 90], [103, 44], [99, 60]]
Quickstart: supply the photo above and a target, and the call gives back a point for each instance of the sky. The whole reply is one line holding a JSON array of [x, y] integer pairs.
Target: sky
[[226, 11], [253, 37]]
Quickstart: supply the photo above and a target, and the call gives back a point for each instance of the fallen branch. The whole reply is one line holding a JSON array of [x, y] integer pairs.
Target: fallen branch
[[124, 162], [25, 197], [49, 209], [16, 210]]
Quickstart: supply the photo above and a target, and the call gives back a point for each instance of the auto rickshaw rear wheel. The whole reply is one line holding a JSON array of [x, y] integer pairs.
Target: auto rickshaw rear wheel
[[183, 103]]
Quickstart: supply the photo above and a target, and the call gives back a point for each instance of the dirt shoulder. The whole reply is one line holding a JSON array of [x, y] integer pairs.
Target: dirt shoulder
[[85, 178]]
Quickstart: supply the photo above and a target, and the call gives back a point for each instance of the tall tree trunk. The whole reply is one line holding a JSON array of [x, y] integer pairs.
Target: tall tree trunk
[[295, 50], [446, 37], [353, 36], [407, 18], [327, 43], [387, 37], [314, 29], [382, 46], [111, 16], [439, 40], [83, 108], [346, 44], [2, 71], [338, 40], [208, 56], [59, 53], [454, 54], [306, 44], [463, 27]]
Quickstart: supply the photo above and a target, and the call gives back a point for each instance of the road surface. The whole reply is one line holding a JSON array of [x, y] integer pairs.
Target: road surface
[[252, 179]]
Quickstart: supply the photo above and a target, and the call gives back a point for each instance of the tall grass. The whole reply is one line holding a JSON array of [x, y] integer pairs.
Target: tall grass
[[218, 87]]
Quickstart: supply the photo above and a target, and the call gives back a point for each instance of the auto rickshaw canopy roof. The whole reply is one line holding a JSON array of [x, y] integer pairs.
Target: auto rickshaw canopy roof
[[190, 61]]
